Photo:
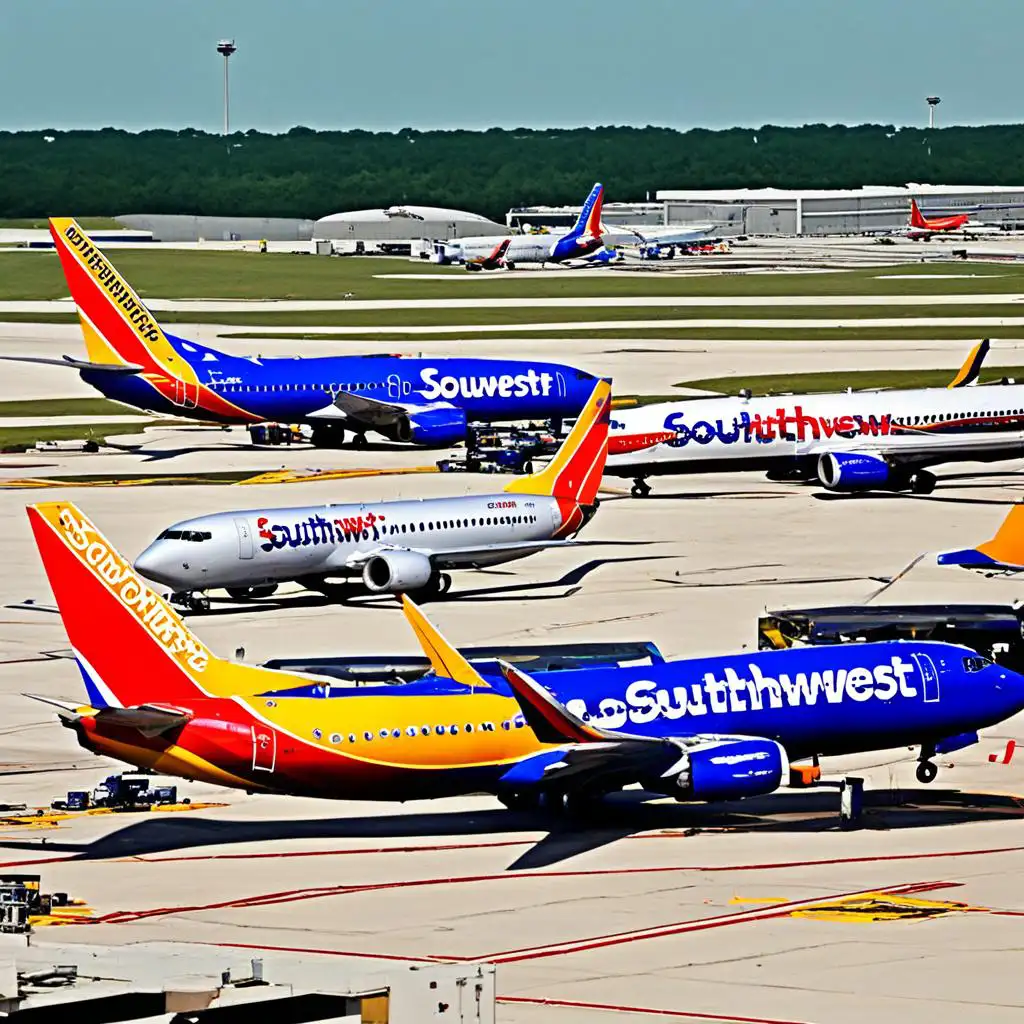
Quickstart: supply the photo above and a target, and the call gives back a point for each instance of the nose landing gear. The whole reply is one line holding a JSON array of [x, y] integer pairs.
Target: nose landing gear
[[191, 600], [641, 488], [927, 770]]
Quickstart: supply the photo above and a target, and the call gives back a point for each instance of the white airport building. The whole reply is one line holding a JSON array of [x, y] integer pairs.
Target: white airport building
[[398, 226], [870, 209]]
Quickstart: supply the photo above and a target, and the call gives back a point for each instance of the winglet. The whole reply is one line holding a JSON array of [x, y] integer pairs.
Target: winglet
[[1004, 551], [444, 658], [968, 373], [575, 471], [550, 721]]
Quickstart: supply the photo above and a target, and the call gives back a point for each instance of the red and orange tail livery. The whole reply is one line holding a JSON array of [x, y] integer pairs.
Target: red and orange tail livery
[[574, 474], [131, 646], [120, 331]]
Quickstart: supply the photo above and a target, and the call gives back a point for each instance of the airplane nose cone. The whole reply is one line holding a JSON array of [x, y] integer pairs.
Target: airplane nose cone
[[1009, 690], [155, 565]]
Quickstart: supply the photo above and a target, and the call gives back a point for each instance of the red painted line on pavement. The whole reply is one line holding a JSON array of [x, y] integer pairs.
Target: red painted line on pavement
[[437, 848], [327, 952], [678, 928], [648, 1010]]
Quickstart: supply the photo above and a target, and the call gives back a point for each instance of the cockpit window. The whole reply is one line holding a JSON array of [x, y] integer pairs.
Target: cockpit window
[[975, 663], [196, 536]]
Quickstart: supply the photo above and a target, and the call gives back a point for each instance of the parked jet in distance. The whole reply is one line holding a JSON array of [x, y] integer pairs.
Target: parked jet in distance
[[494, 260], [131, 359], [583, 239], [922, 226], [847, 441], [706, 729], [393, 546]]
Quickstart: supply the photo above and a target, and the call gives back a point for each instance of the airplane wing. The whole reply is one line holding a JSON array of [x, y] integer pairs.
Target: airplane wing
[[349, 405], [590, 758], [1003, 553], [467, 557], [149, 719], [920, 445], [78, 364]]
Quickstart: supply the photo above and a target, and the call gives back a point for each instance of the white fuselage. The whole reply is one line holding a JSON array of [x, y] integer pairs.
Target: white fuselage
[[259, 546], [734, 432], [521, 249]]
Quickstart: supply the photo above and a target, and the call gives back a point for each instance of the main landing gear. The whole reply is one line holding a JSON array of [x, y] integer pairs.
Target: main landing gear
[[641, 488], [251, 593], [927, 770], [922, 482]]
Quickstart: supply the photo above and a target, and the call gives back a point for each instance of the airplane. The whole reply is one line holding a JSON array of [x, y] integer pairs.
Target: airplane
[[846, 441], [583, 239], [921, 226], [429, 402], [393, 546], [698, 729]]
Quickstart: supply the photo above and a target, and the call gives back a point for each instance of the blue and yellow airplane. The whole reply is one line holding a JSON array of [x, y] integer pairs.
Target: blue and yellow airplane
[[132, 359], [701, 729]]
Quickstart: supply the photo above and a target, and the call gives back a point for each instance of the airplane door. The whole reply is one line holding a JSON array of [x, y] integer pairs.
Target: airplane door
[[561, 385], [264, 748], [394, 387], [186, 394], [245, 548], [929, 678]]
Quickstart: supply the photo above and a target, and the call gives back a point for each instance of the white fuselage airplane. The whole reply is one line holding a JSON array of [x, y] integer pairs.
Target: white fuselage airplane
[[394, 546], [848, 441]]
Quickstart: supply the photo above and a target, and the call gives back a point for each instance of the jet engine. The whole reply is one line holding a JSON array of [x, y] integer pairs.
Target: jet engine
[[434, 428], [397, 572], [852, 471], [731, 770]]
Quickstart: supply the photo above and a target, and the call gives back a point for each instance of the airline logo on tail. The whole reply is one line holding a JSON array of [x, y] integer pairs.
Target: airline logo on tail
[[119, 330], [590, 216]]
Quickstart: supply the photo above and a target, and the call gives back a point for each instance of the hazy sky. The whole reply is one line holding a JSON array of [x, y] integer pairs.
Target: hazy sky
[[388, 64]]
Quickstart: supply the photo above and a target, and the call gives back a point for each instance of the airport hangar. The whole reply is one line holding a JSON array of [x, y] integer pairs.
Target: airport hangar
[[870, 209]]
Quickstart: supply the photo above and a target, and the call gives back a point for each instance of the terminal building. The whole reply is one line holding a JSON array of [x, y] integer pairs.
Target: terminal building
[[870, 209], [397, 227]]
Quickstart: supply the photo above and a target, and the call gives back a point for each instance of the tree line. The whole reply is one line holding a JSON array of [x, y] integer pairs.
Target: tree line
[[306, 173]]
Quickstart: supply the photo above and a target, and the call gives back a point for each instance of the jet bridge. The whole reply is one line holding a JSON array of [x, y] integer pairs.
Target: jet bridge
[[993, 630]]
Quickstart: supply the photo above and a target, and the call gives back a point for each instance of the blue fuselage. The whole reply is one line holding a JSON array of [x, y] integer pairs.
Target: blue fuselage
[[824, 700], [289, 390]]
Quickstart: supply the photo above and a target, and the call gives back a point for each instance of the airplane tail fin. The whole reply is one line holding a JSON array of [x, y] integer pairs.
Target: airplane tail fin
[[916, 217], [969, 372], [589, 220], [118, 327], [575, 471], [1004, 551], [132, 648]]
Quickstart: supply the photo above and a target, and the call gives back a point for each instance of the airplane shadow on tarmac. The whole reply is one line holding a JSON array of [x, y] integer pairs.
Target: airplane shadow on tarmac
[[355, 596], [620, 816]]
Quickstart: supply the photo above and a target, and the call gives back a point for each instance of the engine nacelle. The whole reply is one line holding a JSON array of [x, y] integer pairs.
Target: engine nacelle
[[733, 770], [852, 471], [397, 572], [434, 428]]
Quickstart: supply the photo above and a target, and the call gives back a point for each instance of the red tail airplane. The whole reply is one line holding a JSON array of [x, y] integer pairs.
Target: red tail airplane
[[920, 224]]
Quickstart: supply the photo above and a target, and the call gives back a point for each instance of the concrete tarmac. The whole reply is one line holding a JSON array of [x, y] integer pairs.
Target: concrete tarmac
[[755, 911]]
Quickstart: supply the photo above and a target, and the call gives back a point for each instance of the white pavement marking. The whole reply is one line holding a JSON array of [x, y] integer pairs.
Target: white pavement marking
[[611, 301]]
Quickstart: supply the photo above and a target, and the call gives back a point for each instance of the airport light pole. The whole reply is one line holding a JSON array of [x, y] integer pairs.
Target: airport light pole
[[225, 48], [933, 102]]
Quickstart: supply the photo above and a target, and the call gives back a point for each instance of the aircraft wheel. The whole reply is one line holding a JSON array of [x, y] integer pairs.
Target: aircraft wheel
[[922, 482], [641, 488], [359, 441], [239, 593], [519, 800], [262, 590], [198, 602], [444, 583], [926, 772]]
